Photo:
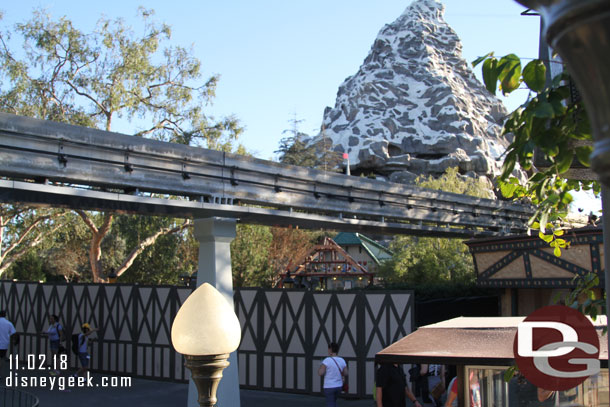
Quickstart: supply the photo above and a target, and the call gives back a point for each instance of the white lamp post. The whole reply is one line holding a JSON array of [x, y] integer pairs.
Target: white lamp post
[[206, 330]]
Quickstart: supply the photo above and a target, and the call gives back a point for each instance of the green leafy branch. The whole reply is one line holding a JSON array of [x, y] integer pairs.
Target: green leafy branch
[[553, 238], [585, 298], [550, 125]]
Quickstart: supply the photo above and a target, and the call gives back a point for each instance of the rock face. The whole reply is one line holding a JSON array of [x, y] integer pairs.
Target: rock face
[[414, 106]]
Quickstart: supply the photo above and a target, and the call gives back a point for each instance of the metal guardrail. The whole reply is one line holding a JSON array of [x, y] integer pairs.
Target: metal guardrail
[[116, 171], [10, 397]]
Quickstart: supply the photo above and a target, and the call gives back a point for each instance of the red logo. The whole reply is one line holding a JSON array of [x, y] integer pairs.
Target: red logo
[[556, 348]]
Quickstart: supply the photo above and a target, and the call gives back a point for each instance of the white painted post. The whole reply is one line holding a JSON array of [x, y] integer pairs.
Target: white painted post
[[215, 236]]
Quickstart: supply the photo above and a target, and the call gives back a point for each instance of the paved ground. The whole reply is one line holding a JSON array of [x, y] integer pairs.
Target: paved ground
[[149, 393]]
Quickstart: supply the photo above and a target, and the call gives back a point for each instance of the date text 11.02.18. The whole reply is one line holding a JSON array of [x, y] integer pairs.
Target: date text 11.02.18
[[39, 362]]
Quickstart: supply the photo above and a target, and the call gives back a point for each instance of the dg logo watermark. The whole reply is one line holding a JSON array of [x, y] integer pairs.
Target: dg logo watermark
[[556, 348]]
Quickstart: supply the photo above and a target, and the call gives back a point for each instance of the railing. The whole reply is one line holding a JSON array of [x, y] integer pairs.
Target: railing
[[10, 397]]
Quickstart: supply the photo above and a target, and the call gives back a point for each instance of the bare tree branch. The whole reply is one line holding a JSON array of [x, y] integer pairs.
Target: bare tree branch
[[148, 242], [7, 260], [86, 219], [88, 96], [23, 236]]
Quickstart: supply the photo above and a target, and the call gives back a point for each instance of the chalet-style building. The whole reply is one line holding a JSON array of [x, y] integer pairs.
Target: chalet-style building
[[528, 271], [350, 260]]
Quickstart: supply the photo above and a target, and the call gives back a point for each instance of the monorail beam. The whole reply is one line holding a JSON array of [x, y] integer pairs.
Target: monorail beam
[[129, 174]]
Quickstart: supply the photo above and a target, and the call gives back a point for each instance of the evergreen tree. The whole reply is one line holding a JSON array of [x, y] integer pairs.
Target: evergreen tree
[[298, 148]]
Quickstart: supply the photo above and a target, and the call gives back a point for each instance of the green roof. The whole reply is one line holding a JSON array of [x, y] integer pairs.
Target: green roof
[[377, 252], [347, 239]]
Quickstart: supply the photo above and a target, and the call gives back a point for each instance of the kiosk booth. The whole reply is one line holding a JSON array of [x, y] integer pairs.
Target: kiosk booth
[[482, 351]]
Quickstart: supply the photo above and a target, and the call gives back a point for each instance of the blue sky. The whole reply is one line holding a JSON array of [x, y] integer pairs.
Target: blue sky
[[280, 59]]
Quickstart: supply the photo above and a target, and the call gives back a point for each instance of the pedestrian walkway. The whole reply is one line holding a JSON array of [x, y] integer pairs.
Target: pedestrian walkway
[[150, 393]]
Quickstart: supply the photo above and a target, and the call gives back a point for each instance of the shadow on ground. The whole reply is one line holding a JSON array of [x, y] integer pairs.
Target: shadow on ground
[[113, 391]]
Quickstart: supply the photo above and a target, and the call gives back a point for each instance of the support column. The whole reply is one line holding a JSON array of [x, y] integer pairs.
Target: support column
[[606, 227], [215, 236]]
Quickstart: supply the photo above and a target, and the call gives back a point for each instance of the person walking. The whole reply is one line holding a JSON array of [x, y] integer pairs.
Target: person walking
[[83, 351], [56, 334], [7, 330], [452, 393], [334, 369], [436, 381], [391, 387]]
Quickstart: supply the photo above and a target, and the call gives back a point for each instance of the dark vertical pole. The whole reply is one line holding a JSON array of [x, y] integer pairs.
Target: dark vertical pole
[[69, 322], [284, 301], [309, 348], [259, 302], [361, 349], [606, 226], [514, 301], [462, 386], [39, 318], [101, 302], [13, 298], [387, 308], [135, 335]]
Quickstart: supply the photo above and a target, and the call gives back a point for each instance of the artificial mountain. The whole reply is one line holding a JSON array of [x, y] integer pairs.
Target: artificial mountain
[[415, 107]]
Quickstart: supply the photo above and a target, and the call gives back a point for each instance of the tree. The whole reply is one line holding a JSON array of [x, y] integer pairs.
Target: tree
[[428, 260], [65, 254], [552, 123], [93, 79], [138, 245], [299, 149], [250, 260], [22, 229], [431, 260], [29, 267], [294, 149], [130, 246], [287, 245]]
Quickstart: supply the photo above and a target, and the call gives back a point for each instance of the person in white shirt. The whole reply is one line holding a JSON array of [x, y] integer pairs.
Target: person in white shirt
[[7, 329], [83, 352], [334, 369], [56, 334]]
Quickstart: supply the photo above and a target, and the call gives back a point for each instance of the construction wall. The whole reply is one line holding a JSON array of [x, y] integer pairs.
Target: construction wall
[[285, 333]]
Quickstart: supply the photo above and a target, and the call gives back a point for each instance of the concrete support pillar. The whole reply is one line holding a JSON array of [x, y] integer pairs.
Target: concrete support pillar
[[215, 236]]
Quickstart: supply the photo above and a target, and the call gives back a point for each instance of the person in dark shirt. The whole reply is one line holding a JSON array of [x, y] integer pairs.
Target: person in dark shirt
[[392, 389]]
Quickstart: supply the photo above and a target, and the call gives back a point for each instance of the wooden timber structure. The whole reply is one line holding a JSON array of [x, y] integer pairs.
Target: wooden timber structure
[[328, 266], [528, 271]]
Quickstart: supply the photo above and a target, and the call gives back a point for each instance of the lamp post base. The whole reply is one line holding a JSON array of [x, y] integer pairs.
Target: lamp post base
[[206, 372]]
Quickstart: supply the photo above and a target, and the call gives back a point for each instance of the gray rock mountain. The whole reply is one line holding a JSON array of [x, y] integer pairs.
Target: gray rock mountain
[[414, 106]]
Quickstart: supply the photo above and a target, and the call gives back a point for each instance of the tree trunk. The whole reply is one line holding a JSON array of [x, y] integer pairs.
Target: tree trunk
[[98, 234], [95, 248]]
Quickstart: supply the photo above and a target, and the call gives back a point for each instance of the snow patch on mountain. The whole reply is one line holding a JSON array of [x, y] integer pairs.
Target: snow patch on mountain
[[415, 107]]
